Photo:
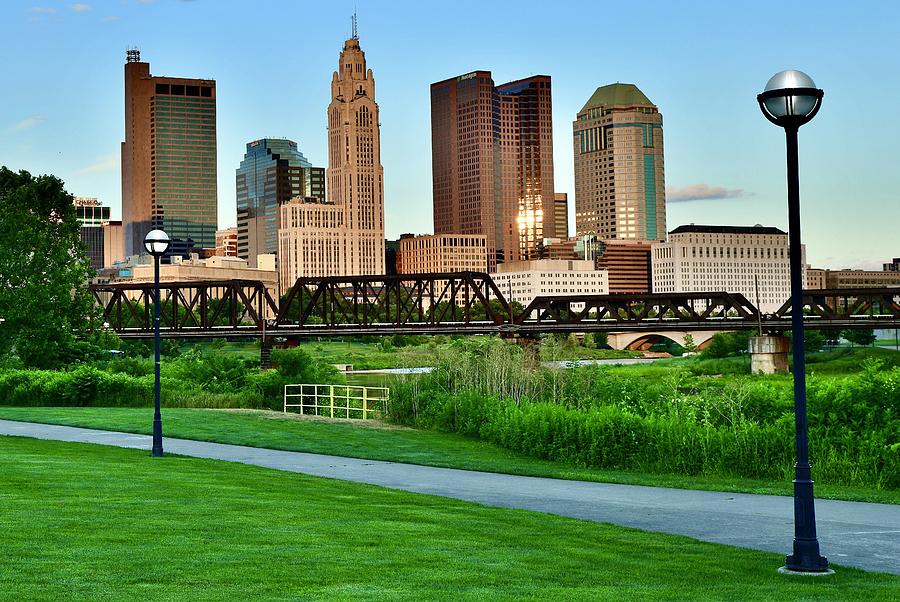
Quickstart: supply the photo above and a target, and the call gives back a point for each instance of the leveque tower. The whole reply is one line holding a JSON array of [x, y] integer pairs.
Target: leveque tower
[[342, 235], [355, 175]]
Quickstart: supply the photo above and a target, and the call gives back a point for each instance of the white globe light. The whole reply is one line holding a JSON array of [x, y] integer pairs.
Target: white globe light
[[156, 242], [791, 94]]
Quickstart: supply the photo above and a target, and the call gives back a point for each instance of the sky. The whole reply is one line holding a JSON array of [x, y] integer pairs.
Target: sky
[[701, 63]]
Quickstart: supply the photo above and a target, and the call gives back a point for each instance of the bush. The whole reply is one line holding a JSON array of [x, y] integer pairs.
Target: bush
[[193, 379]]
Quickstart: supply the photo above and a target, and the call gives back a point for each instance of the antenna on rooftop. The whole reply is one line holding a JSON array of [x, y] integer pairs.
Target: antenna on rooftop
[[355, 35], [133, 55]]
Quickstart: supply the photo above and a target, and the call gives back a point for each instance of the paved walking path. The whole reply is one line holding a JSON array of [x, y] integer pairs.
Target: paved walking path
[[851, 533]]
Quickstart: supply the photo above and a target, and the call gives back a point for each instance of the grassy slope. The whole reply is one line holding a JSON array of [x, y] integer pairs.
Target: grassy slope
[[86, 522], [274, 430]]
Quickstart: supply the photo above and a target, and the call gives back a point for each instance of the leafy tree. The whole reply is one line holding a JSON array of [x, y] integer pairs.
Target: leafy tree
[[863, 337], [44, 302], [689, 345], [725, 344]]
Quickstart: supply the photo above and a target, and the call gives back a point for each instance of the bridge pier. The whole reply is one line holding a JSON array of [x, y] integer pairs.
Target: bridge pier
[[265, 353], [769, 354]]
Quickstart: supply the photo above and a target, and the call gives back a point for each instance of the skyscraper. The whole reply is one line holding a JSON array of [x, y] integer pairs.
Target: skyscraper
[[273, 172], [355, 175], [492, 162], [619, 172], [344, 235], [168, 159]]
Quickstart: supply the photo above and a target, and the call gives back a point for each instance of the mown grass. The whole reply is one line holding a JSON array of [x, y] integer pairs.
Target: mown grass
[[84, 522], [378, 442]]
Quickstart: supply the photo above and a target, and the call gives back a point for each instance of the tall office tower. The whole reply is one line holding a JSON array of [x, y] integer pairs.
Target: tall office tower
[[492, 162], [273, 172], [355, 175], [526, 165], [619, 176], [168, 159], [561, 215]]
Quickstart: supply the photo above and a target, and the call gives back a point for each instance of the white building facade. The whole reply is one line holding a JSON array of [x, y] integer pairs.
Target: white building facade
[[726, 259], [522, 281]]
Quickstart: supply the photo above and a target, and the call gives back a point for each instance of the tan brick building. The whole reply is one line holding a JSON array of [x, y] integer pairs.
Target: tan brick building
[[437, 253]]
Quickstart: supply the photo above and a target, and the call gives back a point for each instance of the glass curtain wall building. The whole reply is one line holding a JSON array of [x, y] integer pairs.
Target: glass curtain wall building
[[272, 173], [92, 215], [492, 162]]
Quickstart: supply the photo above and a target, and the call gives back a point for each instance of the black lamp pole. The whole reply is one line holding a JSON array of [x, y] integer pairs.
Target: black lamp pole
[[157, 418], [790, 100], [157, 243]]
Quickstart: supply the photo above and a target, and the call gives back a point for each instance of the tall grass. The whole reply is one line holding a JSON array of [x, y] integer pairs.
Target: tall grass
[[661, 419]]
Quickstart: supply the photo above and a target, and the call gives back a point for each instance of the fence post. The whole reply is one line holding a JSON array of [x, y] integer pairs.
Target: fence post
[[331, 396], [365, 402], [285, 400]]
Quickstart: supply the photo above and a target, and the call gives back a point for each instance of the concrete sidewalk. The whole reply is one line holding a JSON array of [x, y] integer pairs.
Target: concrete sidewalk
[[851, 533]]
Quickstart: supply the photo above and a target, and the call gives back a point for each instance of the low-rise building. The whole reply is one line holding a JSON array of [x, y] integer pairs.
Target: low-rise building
[[735, 259], [893, 266], [227, 242], [113, 242], [628, 264], [140, 269], [861, 278], [439, 253], [815, 278], [522, 281]]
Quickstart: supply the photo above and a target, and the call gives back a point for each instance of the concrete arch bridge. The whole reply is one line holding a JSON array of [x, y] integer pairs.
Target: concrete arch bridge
[[642, 341]]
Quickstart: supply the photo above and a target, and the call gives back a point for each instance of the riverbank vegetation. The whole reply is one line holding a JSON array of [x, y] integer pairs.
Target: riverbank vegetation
[[693, 417], [673, 417]]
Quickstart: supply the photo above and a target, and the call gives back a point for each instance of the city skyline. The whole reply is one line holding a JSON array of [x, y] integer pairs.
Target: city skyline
[[841, 162]]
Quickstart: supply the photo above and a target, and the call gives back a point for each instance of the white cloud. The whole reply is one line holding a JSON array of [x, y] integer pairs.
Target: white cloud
[[43, 10], [29, 122], [81, 8], [109, 18], [701, 192], [101, 165]]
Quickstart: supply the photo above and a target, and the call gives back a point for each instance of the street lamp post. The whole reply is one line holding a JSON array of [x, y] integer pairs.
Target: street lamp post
[[789, 100], [157, 243]]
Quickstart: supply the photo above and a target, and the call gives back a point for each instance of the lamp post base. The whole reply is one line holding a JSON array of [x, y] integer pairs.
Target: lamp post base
[[806, 558], [786, 571]]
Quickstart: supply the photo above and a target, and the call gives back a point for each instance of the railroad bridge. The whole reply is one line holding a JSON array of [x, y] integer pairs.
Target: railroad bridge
[[462, 303]]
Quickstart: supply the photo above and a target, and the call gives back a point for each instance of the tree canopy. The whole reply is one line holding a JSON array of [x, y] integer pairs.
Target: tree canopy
[[44, 302]]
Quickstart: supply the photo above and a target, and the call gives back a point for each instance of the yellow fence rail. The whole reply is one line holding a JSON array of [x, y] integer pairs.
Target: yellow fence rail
[[336, 401]]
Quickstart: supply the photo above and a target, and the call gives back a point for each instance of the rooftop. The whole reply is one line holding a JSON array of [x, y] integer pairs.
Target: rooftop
[[617, 94], [757, 229]]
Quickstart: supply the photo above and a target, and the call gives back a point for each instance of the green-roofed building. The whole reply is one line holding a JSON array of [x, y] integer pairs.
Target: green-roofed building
[[619, 170]]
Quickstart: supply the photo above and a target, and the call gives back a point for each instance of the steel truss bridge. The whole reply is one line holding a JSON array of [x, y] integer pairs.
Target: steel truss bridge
[[457, 303]]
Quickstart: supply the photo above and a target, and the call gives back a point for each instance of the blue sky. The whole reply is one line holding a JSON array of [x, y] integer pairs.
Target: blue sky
[[702, 63]]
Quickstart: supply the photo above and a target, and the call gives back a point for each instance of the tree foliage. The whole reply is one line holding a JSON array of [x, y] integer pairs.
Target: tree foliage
[[862, 336], [44, 303]]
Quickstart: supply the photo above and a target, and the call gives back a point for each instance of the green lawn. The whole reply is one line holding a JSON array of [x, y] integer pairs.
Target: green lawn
[[85, 522], [277, 431]]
